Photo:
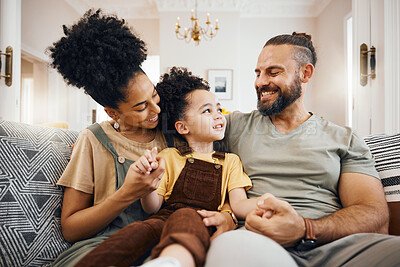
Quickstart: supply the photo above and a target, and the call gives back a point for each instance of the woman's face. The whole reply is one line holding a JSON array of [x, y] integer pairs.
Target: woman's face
[[140, 110]]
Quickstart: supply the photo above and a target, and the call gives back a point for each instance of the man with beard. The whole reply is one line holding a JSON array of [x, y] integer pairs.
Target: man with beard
[[327, 206]]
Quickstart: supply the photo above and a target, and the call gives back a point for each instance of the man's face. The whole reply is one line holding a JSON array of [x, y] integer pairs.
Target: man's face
[[278, 82]]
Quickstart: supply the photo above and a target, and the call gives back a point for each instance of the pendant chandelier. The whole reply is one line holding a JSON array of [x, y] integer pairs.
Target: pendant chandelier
[[196, 32]]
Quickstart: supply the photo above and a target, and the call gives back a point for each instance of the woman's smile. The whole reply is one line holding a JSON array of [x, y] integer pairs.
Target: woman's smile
[[153, 119]]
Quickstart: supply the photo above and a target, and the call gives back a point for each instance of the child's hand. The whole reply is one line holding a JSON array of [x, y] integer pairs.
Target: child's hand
[[217, 219], [267, 212], [148, 162]]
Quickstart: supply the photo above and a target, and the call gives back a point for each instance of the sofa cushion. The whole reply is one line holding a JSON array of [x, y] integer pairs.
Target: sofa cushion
[[386, 152], [32, 158]]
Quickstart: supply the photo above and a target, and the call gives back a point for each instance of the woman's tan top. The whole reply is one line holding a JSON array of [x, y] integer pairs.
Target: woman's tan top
[[92, 169]]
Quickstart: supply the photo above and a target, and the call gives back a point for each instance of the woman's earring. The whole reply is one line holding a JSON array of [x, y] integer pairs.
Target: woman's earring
[[116, 125]]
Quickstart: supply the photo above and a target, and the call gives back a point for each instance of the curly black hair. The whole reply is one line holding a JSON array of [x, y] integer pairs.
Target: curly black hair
[[174, 88], [99, 54]]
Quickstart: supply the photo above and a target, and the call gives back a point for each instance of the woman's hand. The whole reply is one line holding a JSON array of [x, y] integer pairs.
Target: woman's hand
[[80, 220], [138, 184], [222, 221], [146, 163]]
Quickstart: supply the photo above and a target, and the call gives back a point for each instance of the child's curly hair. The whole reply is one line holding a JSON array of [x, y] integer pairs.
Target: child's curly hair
[[100, 54], [174, 89]]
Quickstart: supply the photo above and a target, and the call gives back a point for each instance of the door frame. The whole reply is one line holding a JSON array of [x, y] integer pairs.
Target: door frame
[[10, 35], [392, 63], [379, 110]]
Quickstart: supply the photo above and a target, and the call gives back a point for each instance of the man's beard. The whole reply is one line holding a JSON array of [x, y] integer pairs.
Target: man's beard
[[283, 100]]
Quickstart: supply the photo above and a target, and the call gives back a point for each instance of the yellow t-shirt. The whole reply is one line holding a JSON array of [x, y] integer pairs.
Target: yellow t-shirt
[[92, 169], [233, 175]]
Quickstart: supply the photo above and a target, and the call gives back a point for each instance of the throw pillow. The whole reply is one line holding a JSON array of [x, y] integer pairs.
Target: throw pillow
[[386, 152], [32, 158]]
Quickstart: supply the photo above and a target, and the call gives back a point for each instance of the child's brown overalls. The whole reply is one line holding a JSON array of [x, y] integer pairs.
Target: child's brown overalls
[[177, 222]]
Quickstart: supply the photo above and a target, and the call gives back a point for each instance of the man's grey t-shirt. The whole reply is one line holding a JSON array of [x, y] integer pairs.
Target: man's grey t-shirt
[[302, 167]]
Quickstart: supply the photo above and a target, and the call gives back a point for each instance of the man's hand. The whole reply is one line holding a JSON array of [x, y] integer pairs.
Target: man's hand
[[277, 220], [222, 221]]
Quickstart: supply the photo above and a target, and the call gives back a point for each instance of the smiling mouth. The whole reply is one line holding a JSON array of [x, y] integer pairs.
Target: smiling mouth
[[267, 93], [154, 119], [218, 127]]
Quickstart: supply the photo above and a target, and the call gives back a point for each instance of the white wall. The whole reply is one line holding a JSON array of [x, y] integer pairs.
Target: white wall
[[222, 52], [149, 31], [42, 22], [54, 101], [236, 47], [254, 33], [329, 86]]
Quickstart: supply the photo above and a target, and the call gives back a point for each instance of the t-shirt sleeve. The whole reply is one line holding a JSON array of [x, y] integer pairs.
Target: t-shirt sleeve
[[237, 177], [79, 172], [162, 188], [358, 158]]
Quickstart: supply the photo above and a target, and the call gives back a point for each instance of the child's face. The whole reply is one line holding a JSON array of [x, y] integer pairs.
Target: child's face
[[203, 118]]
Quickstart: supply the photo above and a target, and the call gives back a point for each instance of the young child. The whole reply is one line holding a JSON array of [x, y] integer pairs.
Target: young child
[[195, 178]]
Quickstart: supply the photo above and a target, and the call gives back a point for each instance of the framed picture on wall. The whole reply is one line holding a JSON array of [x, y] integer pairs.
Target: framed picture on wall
[[221, 82]]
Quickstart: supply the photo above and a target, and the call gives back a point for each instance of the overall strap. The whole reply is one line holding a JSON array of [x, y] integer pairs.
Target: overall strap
[[219, 155], [182, 146], [184, 150], [103, 139], [134, 211]]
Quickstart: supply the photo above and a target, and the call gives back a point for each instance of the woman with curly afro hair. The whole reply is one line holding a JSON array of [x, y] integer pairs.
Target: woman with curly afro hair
[[101, 55], [103, 190], [196, 182]]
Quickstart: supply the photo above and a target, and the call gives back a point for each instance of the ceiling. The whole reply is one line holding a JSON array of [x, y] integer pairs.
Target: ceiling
[[139, 9]]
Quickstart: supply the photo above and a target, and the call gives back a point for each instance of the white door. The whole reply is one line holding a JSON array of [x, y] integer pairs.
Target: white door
[[10, 35], [392, 66], [377, 104], [368, 100]]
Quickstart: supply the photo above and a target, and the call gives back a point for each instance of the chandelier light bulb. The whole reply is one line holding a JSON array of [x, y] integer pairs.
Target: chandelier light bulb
[[196, 32]]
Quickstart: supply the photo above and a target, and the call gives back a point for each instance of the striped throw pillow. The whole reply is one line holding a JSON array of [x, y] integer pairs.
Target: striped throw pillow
[[386, 152]]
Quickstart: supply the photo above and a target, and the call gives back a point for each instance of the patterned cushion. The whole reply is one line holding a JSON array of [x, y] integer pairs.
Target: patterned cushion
[[32, 158], [386, 151]]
